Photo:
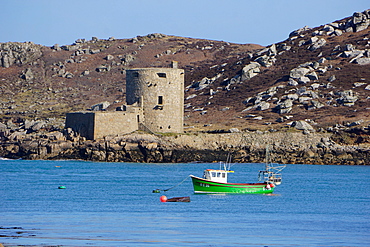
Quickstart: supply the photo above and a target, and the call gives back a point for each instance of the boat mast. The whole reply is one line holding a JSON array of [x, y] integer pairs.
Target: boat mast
[[227, 164], [267, 158]]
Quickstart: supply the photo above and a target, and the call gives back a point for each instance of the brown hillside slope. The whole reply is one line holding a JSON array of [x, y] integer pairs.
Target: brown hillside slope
[[46, 82], [74, 77], [319, 98]]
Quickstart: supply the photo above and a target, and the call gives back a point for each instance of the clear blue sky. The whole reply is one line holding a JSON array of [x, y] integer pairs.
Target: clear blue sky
[[263, 22]]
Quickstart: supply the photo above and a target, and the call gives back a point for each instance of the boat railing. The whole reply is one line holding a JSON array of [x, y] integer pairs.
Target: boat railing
[[271, 174], [275, 169]]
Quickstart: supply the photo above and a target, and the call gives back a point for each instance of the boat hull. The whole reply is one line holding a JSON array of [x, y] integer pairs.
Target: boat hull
[[201, 185]]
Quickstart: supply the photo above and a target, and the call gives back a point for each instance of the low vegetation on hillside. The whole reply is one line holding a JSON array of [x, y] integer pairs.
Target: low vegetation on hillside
[[318, 75]]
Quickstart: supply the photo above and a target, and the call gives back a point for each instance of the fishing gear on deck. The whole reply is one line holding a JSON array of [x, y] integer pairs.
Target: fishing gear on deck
[[159, 190]]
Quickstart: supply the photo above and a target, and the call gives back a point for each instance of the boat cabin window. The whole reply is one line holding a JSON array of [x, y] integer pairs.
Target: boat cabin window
[[216, 175]]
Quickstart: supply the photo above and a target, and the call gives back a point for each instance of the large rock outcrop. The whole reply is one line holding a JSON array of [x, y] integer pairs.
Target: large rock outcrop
[[18, 53]]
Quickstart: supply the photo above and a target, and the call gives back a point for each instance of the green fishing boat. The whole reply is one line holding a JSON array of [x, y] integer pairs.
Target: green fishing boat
[[210, 185], [215, 181]]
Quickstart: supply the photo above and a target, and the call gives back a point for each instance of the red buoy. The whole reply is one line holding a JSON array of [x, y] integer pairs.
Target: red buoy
[[163, 198], [272, 185]]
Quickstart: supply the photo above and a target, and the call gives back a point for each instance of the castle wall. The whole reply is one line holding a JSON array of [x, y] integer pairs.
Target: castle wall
[[160, 93], [81, 122], [95, 125], [114, 123]]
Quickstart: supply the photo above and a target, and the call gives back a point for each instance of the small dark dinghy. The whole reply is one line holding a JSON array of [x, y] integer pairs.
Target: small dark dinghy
[[175, 199]]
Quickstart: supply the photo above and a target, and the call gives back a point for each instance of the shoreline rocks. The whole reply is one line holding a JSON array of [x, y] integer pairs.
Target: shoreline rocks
[[246, 147]]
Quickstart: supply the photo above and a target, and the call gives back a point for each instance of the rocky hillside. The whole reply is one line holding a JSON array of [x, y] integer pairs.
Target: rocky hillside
[[319, 74], [46, 82], [318, 79]]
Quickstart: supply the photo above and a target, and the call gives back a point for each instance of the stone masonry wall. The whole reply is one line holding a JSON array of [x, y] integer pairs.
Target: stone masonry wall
[[82, 123], [114, 123], [96, 125]]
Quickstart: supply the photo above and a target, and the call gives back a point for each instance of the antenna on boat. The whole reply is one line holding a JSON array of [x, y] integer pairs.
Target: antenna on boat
[[227, 164], [267, 158]]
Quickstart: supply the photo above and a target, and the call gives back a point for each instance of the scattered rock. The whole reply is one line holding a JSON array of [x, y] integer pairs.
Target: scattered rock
[[191, 96], [37, 126], [266, 61], [303, 80], [56, 47], [100, 106], [3, 127], [356, 123], [299, 31], [361, 21], [284, 107], [292, 82], [315, 104], [362, 60], [18, 53], [297, 73], [234, 130], [352, 53], [28, 75], [347, 98], [109, 57], [85, 72], [318, 44], [302, 125], [103, 68], [127, 59], [205, 82], [359, 84], [332, 78], [250, 71], [263, 106], [312, 76], [68, 75], [94, 51]]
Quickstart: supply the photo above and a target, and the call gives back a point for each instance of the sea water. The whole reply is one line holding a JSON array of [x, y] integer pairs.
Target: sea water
[[112, 204]]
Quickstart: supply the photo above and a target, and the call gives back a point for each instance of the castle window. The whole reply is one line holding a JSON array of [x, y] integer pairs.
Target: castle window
[[160, 100], [162, 75]]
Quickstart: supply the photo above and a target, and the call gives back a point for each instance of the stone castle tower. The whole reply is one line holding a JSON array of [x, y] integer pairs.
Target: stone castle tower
[[159, 92], [154, 102]]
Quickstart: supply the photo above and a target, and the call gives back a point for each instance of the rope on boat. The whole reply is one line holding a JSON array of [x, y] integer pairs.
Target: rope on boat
[[158, 190]]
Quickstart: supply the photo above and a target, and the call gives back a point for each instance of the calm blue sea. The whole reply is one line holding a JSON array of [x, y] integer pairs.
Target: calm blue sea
[[112, 204]]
